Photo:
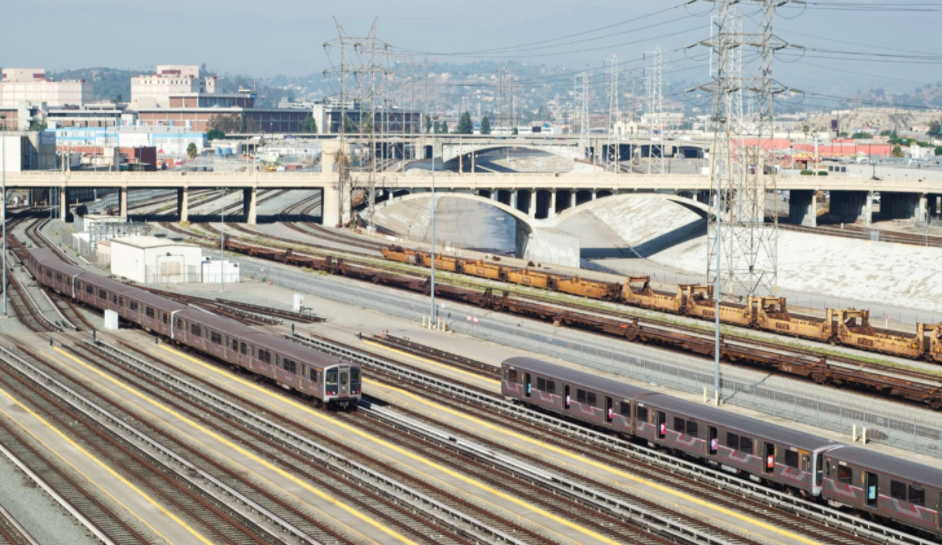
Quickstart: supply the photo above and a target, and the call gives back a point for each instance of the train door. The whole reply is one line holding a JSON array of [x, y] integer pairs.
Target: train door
[[871, 480], [345, 381], [609, 409], [567, 399], [661, 425], [714, 440], [819, 468], [769, 466], [527, 384]]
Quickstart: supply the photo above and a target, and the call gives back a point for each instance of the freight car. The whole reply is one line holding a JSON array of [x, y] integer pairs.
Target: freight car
[[874, 484], [327, 379], [842, 326]]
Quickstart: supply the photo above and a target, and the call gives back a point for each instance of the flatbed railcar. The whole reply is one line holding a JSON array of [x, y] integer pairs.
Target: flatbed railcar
[[843, 326], [874, 484], [327, 379]]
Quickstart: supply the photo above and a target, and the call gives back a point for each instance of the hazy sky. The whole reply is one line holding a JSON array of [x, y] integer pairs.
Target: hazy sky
[[287, 36]]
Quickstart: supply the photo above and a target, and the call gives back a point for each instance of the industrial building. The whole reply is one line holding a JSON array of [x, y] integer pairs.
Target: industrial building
[[148, 259], [31, 85], [30, 150], [154, 90], [168, 140], [329, 113]]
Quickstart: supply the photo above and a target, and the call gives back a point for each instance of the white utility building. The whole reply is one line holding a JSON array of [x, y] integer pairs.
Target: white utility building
[[151, 260], [213, 270]]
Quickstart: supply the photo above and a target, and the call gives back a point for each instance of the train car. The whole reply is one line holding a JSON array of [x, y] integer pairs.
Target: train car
[[771, 314], [586, 397], [699, 303], [528, 277], [402, 255], [852, 328], [481, 269], [328, 379], [592, 289], [768, 452], [885, 487], [637, 291]]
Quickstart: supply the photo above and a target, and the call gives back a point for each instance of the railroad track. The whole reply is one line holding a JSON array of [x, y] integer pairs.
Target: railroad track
[[824, 524], [858, 232], [12, 532], [376, 487]]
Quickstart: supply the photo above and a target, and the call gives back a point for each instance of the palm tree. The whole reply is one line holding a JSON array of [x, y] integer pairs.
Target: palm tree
[[191, 150]]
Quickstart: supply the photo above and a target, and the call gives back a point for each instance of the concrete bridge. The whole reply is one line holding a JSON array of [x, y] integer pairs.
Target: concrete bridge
[[538, 196]]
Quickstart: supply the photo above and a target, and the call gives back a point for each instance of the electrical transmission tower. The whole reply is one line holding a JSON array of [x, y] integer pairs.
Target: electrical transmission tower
[[742, 248], [655, 108], [614, 148], [584, 127], [363, 73]]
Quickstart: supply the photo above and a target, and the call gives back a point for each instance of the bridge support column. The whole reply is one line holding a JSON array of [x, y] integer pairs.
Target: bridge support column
[[803, 207], [183, 203], [335, 211], [572, 197], [65, 211], [551, 213], [513, 198], [495, 196], [895, 205], [532, 204], [595, 194], [852, 206], [472, 162], [123, 202], [250, 205]]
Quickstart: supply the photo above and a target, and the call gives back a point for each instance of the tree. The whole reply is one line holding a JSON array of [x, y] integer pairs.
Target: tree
[[309, 126], [465, 126], [515, 133], [444, 127], [889, 134], [862, 136], [225, 123], [349, 125], [191, 150], [805, 129], [842, 134], [897, 151], [118, 99], [437, 128], [37, 125], [485, 125], [215, 134], [938, 151], [935, 129]]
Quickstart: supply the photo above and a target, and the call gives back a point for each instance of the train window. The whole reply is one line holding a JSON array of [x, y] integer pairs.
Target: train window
[[512, 375], [41, 269], [78, 285], [791, 459], [121, 301], [679, 424], [103, 294], [89, 289], [642, 414], [541, 384], [149, 312], [746, 445], [165, 318], [264, 355], [313, 375], [58, 277], [551, 386], [235, 344], [180, 324], [592, 400], [845, 475], [215, 338], [291, 366], [332, 377], [898, 490], [691, 428], [114, 298], [917, 496], [343, 379], [196, 330], [354, 375], [245, 349], [132, 305], [580, 396], [49, 273], [732, 440], [625, 409]]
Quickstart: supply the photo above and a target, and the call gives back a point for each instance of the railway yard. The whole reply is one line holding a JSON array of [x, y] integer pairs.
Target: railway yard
[[159, 433]]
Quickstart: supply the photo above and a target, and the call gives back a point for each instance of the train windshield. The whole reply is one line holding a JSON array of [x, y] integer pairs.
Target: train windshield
[[354, 376], [331, 377]]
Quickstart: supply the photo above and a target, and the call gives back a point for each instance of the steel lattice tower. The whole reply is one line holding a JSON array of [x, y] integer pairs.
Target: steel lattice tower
[[655, 107], [614, 148], [742, 185]]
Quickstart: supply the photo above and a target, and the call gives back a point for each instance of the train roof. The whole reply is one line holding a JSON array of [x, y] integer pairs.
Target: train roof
[[579, 377], [650, 399], [142, 296], [891, 465], [51, 259]]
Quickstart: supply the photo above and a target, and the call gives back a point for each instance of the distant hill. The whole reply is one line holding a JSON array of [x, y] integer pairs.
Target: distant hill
[[107, 83]]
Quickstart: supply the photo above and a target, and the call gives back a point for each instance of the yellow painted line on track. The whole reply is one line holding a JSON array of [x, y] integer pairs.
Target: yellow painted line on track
[[432, 362], [409, 454], [601, 466], [261, 461], [101, 464]]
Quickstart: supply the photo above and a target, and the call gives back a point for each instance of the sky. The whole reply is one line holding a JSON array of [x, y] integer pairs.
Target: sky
[[288, 36]]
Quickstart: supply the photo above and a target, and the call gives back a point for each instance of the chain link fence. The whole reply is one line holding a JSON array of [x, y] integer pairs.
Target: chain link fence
[[886, 422]]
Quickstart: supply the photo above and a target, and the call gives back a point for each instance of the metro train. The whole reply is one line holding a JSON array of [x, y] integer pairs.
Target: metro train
[[873, 484], [328, 380]]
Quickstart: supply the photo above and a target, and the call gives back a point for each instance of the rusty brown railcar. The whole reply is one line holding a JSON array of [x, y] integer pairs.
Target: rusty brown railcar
[[852, 328], [771, 314], [573, 285], [700, 304]]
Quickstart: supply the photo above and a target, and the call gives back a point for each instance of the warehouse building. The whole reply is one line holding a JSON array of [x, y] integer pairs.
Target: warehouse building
[[152, 260]]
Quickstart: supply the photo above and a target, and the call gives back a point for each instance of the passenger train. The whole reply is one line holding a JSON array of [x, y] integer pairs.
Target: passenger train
[[875, 485], [327, 379]]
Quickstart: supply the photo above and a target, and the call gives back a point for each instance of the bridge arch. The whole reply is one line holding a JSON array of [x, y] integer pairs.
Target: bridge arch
[[451, 152], [524, 221], [694, 206]]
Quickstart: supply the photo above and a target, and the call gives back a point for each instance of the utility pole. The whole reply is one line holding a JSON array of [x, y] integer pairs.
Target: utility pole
[[3, 159], [500, 93], [614, 147], [432, 213], [584, 127]]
